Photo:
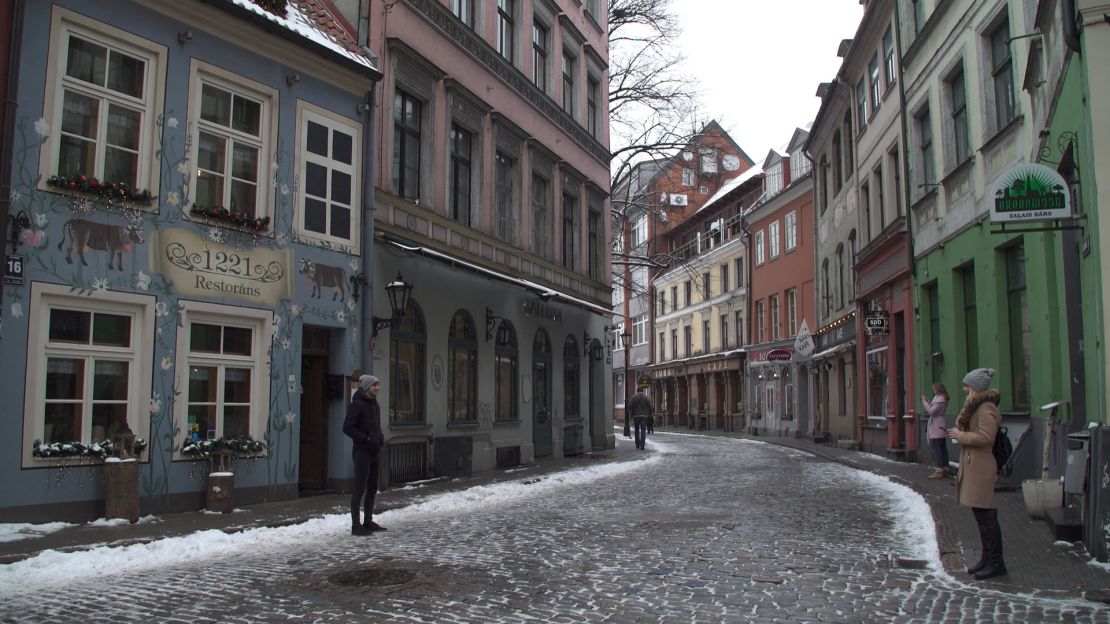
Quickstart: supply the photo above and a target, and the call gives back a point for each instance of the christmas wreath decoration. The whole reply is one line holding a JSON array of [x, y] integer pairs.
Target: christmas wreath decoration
[[237, 446], [106, 191], [238, 219], [96, 450]]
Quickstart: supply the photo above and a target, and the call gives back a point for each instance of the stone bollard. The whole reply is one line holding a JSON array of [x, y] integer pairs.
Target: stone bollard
[[121, 489], [221, 492]]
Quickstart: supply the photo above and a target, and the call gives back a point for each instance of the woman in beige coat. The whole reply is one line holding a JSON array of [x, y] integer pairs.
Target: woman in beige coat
[[976, 426]]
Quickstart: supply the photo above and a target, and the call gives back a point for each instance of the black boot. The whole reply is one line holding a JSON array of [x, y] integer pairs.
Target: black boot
[[992, 535], [356, 526], [984, 541]]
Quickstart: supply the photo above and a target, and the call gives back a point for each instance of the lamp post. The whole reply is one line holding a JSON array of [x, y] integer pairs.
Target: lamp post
[[626, 340]]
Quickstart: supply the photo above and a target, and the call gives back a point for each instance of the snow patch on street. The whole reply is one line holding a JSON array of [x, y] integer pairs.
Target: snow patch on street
[[14, 532]]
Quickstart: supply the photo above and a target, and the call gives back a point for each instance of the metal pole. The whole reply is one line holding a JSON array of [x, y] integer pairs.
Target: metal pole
[[627, 382]]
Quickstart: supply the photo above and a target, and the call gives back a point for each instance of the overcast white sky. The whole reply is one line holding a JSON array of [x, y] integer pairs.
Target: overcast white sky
[[758, 62]]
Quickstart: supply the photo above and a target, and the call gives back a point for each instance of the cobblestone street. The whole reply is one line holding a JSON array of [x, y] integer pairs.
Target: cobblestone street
[[703, 529]]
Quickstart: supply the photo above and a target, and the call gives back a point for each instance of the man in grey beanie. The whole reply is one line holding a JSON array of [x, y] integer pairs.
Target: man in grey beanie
[[363, 425]]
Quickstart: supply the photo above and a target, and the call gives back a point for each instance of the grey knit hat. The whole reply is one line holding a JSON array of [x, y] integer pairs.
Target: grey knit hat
[[366, 381], [979, 379]]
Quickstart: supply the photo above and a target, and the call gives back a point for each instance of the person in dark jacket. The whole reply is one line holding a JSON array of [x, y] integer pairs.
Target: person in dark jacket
[[641, 409], [363, 425]]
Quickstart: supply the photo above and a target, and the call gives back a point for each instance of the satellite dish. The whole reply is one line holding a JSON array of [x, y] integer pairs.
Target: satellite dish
[[731, 162]]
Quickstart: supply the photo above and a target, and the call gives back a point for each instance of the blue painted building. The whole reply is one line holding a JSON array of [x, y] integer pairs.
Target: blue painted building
[[187, 182]]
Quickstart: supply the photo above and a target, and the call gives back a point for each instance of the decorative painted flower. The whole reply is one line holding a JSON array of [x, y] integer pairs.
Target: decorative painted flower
[[284, 344], [155, 406], [33, 238], [17, 310], [171, 122], [295, 310], [284, 189], [292, 383], [172, 198], [274, 166], [183, 168], [167, 363], [41, 220], [290, 417], [160, 309], [142, 281], [341, 316], [351, 304], [281, 239], [100, 284], [353, 263], [15, 196], [41, 127]]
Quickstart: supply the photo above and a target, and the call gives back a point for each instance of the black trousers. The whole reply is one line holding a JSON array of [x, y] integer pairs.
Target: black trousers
[[365, 481], [990, 534]]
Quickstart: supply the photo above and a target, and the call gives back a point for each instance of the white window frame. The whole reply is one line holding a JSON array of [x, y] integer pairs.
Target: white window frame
[[141, 310], [759, 249], [307, 112], [774, 180], [773, 239], [639, 231], [791, 226], [260, 322], [639, 330], [65, 23], [201, 73]]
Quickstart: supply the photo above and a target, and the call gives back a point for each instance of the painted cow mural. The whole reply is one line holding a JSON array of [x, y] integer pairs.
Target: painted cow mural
[[114, 239], [324, 276]]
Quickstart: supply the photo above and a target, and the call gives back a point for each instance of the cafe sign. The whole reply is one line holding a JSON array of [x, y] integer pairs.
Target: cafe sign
[[204, 268], [1030, 192]]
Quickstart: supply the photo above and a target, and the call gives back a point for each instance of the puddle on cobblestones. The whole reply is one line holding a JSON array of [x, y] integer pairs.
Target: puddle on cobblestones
[[386, 578], [375, 577]]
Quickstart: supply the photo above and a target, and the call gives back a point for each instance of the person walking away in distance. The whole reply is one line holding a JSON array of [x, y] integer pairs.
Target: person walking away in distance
[[976, 426], [363, 425], [938, 429], [641, 409]]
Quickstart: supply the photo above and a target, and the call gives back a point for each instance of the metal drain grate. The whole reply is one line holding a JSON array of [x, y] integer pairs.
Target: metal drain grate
[[373, 577]]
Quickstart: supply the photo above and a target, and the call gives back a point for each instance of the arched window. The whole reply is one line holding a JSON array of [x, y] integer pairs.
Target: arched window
[[570, 379], [506, 358], [826, 294], [840, 275], [851, 264], [406, 367], [462, 369]]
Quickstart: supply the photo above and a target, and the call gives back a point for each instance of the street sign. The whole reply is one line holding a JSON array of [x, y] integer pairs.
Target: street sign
[[1030, 192], [877, 323], [13, 271], [803, 344]]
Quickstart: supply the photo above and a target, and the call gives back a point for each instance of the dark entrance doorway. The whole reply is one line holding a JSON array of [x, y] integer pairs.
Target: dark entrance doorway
[[313, 469]]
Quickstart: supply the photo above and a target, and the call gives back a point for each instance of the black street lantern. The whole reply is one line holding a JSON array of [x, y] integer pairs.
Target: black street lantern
[[398, 292], [626, 342]]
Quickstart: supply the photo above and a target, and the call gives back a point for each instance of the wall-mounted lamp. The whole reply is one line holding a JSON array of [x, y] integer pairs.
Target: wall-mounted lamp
[[292, 79], [398, 292], [586, 344], [496, 322], [828, 366], [596, 351], [184, 37], [19, 222]]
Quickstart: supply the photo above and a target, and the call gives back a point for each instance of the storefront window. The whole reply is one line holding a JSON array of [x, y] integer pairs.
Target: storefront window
[[406, 367], [788, 394], [877, 379], [462, 369]]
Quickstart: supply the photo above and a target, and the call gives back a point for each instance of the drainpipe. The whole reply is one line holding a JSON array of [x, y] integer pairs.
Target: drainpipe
[[365, 360], [11, 88], [746, 233], [907, 184]]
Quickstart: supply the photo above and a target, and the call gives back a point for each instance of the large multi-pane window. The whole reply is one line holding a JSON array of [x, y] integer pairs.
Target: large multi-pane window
[[826, 292], [932, 300], [107, 92], [724, 331], [662, 346], [504, 215], [539, 55], [464, 10], [461, 151], [971, 317], [571, 394], [739, 272], [739, 322], [776, 317], [1002, 73], [791, 223], [505, 24], [462, 369], [958, 101], [705, 336], [506, 364], [919, 15], [541, 216], [640, 329], [407, 112], [861, 102], [570, 226], [759, 248], [1017, 308], [407, 355], [570, 66], [725, 284], [888, 56], [873, 73], [760, 321], [233, 129], [688, 339], [925, 146], [840, 276], [593, 251], [773, 239], [329, 168], [674, 344], [639, 231], [593, 90], [791, 311], [689, 292], [86, 366], [837, 163]]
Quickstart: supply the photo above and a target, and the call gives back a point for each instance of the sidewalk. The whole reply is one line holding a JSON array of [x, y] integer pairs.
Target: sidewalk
[[1037, 565]]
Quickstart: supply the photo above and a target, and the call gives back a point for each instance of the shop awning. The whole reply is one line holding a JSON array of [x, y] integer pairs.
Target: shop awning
[[541, 291], [847, 346]]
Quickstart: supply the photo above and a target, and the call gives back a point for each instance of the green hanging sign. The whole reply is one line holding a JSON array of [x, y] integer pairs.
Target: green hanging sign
[[1030, 192]]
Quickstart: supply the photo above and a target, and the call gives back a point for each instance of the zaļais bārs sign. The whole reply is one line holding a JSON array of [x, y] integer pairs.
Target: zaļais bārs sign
[[1030, 192]]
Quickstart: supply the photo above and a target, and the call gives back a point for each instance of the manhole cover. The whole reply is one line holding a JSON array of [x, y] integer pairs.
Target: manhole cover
[[375, 577]]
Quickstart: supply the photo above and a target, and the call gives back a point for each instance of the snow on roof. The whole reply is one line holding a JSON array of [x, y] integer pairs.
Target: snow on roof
[[730, 185], [311, 20]]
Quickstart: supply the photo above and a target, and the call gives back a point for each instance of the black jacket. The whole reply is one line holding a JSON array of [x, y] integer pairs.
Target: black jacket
[[363, 424], [639, 405]]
